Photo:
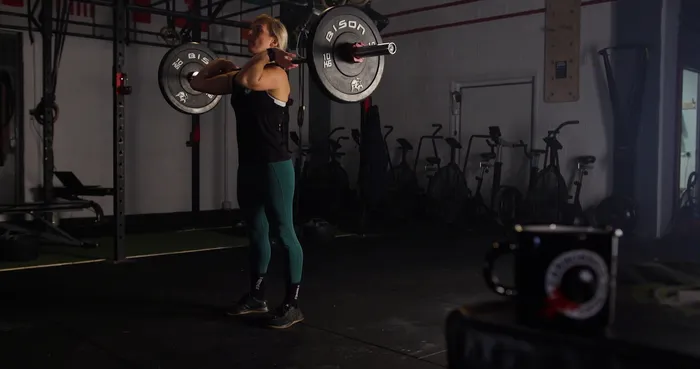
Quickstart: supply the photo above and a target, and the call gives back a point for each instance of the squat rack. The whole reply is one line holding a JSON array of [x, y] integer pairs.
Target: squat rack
[[121, 32]]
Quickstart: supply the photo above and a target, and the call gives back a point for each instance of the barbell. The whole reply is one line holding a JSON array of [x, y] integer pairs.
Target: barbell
[[344, 54]]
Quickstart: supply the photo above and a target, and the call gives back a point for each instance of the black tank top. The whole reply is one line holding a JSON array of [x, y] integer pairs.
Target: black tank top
[[260, 120]]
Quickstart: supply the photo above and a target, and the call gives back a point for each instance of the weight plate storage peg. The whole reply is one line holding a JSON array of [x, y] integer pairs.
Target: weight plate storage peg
[[344, 77], [174, 73]]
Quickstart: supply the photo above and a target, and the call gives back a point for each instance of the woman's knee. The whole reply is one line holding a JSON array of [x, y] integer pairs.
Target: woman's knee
[[288, 235]]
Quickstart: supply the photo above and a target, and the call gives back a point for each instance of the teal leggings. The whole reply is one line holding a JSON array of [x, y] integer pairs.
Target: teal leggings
[[266, 198]]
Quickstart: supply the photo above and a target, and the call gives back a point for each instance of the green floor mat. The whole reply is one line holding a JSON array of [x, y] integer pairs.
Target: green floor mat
[[137, 245]]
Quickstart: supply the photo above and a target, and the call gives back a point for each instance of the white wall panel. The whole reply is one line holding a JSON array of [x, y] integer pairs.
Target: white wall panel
[[505, 39]]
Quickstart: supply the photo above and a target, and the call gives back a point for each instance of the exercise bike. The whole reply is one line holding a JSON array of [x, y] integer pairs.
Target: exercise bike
[[525, 212], [574, 213], [505, 200], [475, 207], [403, 188], [549, 197], [432, 162], [476, 210], [503, 207], [447, 189], [686, 215]]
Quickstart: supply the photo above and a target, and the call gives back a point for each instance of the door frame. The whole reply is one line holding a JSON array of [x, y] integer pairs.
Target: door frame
[[688, 59], [456, 88], [19, 117]]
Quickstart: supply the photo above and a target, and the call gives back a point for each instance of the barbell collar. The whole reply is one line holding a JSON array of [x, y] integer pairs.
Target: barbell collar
[[358, 51], [387, 48]]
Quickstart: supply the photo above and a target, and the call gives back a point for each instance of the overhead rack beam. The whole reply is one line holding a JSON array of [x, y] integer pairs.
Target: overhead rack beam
[[250, 10], [170, 13], [110, 38]]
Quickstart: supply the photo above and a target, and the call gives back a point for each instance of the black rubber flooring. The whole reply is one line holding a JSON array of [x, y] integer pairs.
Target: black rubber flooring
[[369, 303]]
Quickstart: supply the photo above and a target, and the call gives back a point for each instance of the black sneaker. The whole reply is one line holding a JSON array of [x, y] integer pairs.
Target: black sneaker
[[248, 305], [285, 317]]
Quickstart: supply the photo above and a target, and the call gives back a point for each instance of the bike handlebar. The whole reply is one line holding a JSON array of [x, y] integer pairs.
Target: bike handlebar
[[438, 128], [505, 143], [558, 129], [527, 153], [389, 129], [336, 129]]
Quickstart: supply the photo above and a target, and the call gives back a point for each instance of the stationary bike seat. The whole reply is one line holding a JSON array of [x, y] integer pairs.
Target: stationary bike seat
[[585, 160], [433, 160], [453, 143], [487, 156], [404, 144]]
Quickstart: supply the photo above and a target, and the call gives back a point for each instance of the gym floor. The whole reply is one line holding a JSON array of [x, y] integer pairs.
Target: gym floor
[[377, 302]]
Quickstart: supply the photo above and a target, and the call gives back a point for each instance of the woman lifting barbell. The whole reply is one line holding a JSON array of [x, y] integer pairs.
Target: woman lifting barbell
[[259, 93]]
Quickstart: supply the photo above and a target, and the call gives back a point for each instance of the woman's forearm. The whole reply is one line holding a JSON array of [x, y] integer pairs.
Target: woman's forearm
[[253, 70], [212, 69]]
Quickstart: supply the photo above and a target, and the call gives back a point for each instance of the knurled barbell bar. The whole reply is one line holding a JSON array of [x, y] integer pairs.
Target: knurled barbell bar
[[344, 54], [350, 53]]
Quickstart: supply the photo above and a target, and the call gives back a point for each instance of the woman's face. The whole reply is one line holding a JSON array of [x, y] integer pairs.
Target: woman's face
[[260, 39]]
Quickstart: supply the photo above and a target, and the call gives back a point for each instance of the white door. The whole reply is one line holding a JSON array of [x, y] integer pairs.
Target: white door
[[507, 105]]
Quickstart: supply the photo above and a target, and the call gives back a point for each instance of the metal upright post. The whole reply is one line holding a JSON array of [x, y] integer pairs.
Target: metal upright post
[[48, 97], [196, 25], [120, 89]]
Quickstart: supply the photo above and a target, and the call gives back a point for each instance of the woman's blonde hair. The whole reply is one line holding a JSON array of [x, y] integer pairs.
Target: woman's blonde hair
[[276, 28]]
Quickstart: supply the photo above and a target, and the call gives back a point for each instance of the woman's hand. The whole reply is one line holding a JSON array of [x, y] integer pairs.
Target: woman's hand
[[282, 58], [224, 66]]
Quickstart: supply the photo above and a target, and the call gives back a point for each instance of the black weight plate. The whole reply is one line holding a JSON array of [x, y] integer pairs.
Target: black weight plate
[[172, 78], [344, 81]]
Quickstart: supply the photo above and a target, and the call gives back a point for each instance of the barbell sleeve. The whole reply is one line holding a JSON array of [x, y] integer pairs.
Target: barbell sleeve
[[366, 51], [387, 48]]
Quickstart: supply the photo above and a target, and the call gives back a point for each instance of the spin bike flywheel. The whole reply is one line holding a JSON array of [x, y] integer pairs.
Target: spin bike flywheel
[[507, 205]]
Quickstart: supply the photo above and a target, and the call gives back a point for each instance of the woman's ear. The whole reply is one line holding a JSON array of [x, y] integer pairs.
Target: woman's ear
[[275, 44]]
